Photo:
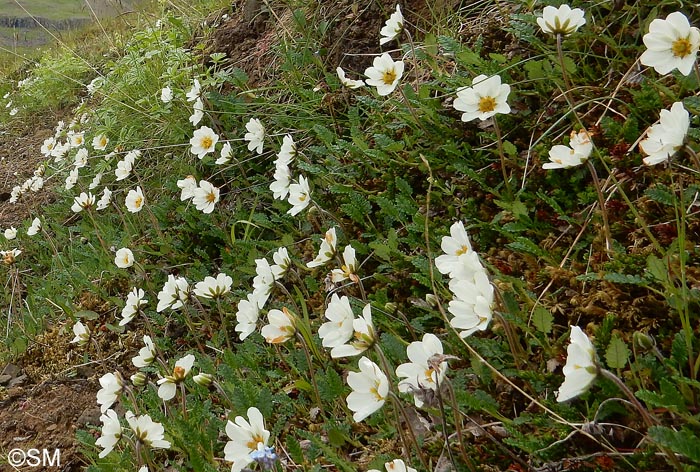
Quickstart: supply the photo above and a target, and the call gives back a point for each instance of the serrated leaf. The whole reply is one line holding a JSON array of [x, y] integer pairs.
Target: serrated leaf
[[657, 268], [542, 319], [623, 278], [294, 449], [661, 194], [527, 246], [357, 208], [86, 315], [669, 397], [617, 353], [682, 442]]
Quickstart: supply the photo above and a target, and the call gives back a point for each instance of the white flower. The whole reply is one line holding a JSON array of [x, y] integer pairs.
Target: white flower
[[578, 151], [472, 307], [124, 168], [370, 388], [299, 196], [197, 112], [112, 385], [48, 146], [280, 327], [454, 245], [581, 366], [212, 287], [111, 432], [174, 293], [203, 141], [188, 186], [134, 301], [104, 200], [392, 27], [147, 354], [226, 153], [95, 84], [82, 334], [168, 384], [35, 227], [339, 329], [124, 258], [562, 20], [82, 202], [287, 152], [205, 197], [384, 74], [671, 44], [349, 267], [147, 431], [14, 111], [100, 142], [349, 83], [363, 333], [263, 281], [194, 92], [36, 183], [245, 436], [134, 200], [420, 373], [485, 98], [8, 257], [247, 315], [255, 135], [283, 177], [326, 251], [59, 150], [95, 181], [77, 139], [166, 95], [81, 158], [666, 137], [282, 263], [397, 465], [10, 233], [72, 178]]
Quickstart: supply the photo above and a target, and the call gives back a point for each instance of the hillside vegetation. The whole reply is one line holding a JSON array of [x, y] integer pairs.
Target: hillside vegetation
[[360, 236]]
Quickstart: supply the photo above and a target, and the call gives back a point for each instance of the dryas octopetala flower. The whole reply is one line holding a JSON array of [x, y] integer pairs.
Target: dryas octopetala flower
[[147, 431], [245, 437], [255, 135], [422, 373], [134, 301], [667, 136], [364, 336], [168, 384], [112, 385], [384, 74], [9, 256], [299, 196], [281, 326], [226, 153], [82, 334], [283, 179], [288, 151], [203, 141], [10, 233], [263, 281], [188, 186], [338, 330], [174, 293], [111, 432], [563, 20], [397, 465], [205, 197], [370, 388], [166, 95], [147, 354], [124, 258], [326, 251], [581, 366], [575, 154], [134, 200], [247, 315], [212, 287], [194, 92], [472, 305], [197, 112], [392, 27], [104, 200], [485, 98], [671, 44], [349, 83], [349, 268], [35, 227], [100, 142], [454, 246], [282, 263], [84, 201]]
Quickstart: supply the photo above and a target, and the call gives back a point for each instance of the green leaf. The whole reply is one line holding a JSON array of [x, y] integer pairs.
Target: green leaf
[[542, 319], [617, 353], [86, 315], [294, 449], [623, 278], [526, 245], [661, 194], [682, 442], [657, 268], [357, 208], [669, 397]]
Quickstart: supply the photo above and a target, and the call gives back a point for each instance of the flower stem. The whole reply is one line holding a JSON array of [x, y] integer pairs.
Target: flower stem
[[601, 204], [502, 155], [560, 54]]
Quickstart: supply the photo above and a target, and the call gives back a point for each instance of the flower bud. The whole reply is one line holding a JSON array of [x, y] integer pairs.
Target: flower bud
[[643, 341], [203, 379], [138, 379], [391, 307], [431, 300]]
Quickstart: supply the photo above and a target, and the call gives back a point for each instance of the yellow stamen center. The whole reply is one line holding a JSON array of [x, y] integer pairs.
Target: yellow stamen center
[[462, 250], [138, 202], [206, 142], [388, 77], [681, 47], [487, 104], [253, 443], [211, 198]]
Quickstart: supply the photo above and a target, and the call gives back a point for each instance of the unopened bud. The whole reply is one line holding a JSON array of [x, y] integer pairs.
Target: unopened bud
[[138, 379], [391, 307], [431, 300], [203, 379], [643, 341]]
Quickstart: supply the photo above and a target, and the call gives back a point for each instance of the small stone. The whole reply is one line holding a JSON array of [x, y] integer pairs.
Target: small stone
[[4, 379]]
